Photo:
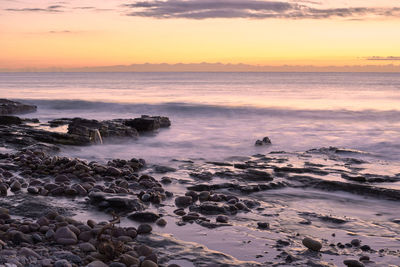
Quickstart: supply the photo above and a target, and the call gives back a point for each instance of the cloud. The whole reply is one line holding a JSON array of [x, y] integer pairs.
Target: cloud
[[383, 58], [49, 9], [256, 9]]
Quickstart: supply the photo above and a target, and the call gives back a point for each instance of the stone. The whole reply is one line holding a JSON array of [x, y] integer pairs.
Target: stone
[[355, 242], [222, 219], [15, 186], [144, 216], [129, 260], [97, 264], [14, 107], [353, 263], [312, 244], [64, 236], [62, 263], [161, 222], [86, 247], [263, 142], [144, 229], [263, 225], [183, 201], [148, 263], [144, 250], [27, 252]]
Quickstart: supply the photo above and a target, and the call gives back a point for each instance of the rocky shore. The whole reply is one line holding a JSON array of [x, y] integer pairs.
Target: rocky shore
[[250, 203]]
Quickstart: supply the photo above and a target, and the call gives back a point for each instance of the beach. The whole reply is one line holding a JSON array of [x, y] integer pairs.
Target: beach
[[167, 164]]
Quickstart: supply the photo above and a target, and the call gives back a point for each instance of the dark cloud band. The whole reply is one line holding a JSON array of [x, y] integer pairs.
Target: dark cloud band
[[256, 9]]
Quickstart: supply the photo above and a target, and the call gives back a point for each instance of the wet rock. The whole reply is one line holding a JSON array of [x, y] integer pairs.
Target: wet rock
[[161, 222], [146, 123], [353, 263], [163, 169], [148, 263], [10, 120], [222, 219], [312, 244], [364, 258], [144, 229], [144, 216], [14, 107], [263, 142], [183, 201], [263, 225], [15, 186], [64, 236], [355, 242], [365, 248]]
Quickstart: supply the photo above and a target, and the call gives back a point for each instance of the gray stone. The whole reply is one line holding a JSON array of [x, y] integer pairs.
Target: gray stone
[[312, 244]]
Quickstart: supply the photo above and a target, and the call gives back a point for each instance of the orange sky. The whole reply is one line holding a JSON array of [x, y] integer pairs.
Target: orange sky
[[85, 33]]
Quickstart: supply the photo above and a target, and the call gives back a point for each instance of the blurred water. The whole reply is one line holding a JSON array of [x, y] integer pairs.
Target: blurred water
[[217, 115]]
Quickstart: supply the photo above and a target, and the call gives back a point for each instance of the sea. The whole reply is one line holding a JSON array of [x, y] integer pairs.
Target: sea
[[220, 115]]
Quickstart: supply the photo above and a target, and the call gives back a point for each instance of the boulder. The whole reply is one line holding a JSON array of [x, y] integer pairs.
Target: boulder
[[14, 107]]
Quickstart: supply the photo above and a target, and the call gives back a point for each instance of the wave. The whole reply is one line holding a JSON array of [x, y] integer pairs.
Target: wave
[[195, 109]]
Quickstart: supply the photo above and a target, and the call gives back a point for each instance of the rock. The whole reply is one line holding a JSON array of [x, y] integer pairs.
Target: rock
[[146, 123], [148, 263], [62, 263], [144, 250], [353, 263], [163, 169], [129, 260], [161, 222], [183, 201], [263, 142], [64, 236], [10, 120], [144, 229], [222, 219], [13, 107], [29, 253], [144, 216], [364, 258], [119, 264], [86, 247], [312, 244], [365, 248], [355, 242], [15, 186], [97, 264], [263, 225]]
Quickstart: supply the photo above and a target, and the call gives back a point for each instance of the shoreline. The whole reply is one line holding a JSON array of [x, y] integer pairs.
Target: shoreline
[[266, 206]]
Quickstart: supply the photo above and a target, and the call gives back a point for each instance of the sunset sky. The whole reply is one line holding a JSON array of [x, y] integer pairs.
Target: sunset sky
[[87, 33]]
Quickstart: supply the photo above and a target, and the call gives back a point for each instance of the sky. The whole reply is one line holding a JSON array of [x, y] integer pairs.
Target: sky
[[44, 34]]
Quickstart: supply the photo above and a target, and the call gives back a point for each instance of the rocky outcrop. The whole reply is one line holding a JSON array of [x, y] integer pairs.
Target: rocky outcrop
[[12, 107]]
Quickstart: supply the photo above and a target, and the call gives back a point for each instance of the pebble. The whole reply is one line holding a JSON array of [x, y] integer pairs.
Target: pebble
[[144, 229], [29, 253], [129, 260], [312, 244], [161, 222], [263, 225], [148, 263], [222, 219], [87, 247], [355, 242], [64, 236], [62, 263], [97, 264], [364, 258], [183, 201], [353, 263]]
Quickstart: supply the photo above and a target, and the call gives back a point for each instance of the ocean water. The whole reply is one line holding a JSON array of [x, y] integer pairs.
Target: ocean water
[[219, 115]]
